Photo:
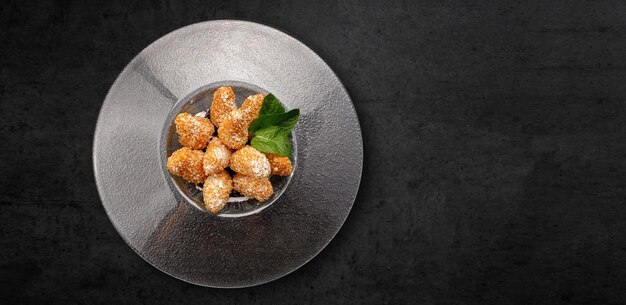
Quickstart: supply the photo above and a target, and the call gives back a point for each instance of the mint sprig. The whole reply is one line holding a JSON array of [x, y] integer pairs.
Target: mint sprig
[[271, 129], [271, 105], [285, 120], [272, 140]]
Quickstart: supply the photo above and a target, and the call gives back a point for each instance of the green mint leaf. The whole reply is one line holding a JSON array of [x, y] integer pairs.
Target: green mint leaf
[[272, 140], [271, 105], [290, 119], [286, 121]]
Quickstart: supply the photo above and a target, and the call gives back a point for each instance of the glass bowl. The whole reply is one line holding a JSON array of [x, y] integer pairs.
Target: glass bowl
[[200, 101]]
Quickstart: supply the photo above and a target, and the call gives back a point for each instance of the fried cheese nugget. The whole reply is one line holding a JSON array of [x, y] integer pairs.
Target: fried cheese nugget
[[251, 162], [281, 166], [259, 189], [216, 190], [234, 129], [216, 157], [193, 132], [252, 106], [187, 163], [223, 104]]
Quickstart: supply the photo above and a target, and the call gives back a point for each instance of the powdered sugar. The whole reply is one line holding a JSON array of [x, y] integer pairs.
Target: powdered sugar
[[260, 167], [238, 199]]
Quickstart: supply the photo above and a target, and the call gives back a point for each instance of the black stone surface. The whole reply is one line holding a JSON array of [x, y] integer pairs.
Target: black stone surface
[[495, 152]]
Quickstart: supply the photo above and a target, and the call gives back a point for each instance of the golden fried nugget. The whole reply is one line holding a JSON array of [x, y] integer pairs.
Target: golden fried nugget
[[187, 163], [259, 189], [193, 132], [223, 104], [234, 130], [252, 106], [216, 157], [281, 166], [251, 162], [216, 190]]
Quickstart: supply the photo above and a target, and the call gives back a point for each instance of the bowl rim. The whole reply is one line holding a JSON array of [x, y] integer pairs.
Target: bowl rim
[[168, 130]]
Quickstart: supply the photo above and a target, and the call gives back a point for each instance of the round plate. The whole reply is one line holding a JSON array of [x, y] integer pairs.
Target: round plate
[[183, 241]]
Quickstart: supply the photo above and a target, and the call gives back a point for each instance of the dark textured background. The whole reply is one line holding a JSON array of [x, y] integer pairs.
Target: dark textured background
[[495, 152]]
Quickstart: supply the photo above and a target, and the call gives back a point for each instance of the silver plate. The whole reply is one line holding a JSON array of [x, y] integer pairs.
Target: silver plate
[[183, 241]]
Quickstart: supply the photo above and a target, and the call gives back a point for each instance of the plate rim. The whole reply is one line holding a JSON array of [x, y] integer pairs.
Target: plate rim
[[98, 127]]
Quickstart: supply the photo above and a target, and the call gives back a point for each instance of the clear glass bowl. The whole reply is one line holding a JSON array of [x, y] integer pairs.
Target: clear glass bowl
[[200, 100]]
